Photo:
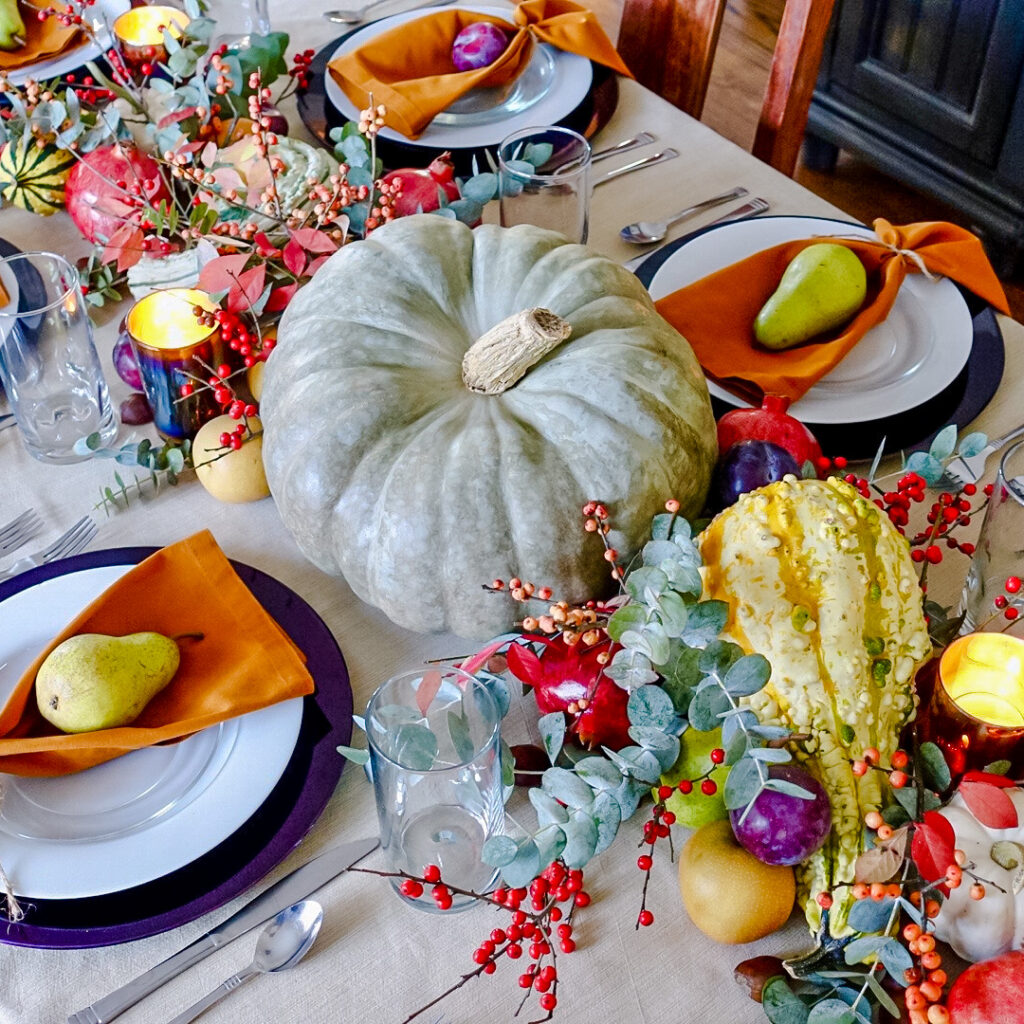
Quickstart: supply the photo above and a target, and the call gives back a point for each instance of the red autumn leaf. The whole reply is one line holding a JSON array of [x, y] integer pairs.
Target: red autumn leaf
[[247, 289], [316, 264], [932, 846], [427, 690], [280, 297], [989, 803], [175, 117], [264, 246], [125, 246], [474, 663], [524, 664], [313, 240], [294, 257], [992, 779], [219, 275]]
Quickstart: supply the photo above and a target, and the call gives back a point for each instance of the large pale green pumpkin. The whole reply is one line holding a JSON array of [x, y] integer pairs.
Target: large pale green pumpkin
[[387, 469]]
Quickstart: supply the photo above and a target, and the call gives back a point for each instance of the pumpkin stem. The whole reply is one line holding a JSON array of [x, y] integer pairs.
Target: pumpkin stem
[[501, 356]]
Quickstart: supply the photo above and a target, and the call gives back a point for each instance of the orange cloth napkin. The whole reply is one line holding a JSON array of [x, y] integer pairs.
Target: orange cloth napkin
[[43, 39], [716, 314], [409, 69], [245, 661]]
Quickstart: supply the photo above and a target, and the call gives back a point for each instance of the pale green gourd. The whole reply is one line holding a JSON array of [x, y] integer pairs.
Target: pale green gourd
[[388, 470]]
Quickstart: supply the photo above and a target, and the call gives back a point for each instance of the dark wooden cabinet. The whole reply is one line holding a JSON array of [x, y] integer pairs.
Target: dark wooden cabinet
[[932, 93]]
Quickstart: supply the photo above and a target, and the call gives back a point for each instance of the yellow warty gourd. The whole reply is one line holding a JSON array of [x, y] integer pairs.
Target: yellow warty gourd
[[821, 583]]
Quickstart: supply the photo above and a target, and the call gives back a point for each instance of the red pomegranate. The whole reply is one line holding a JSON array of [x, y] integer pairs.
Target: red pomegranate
[[769, 423], [99, 189], [420, 186], [565, 677]]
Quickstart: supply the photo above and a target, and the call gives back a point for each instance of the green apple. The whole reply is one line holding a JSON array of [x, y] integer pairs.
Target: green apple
[[695, 809]]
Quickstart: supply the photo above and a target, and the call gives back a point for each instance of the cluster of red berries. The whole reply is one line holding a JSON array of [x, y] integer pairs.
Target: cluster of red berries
[[234, 439], [300, 69], [553, 898], [1012, 587], [87, 91], [69, 15]]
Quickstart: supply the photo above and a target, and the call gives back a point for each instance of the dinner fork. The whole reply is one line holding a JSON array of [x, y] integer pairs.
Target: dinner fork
[[18, 530], [68, 543], [967, 469]]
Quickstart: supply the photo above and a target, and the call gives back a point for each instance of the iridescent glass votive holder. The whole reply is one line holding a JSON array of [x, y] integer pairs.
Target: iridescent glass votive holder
[[174, 349], [140, 32], [975, 711]]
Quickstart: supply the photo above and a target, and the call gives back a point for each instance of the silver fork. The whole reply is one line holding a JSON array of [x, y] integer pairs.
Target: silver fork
[[18, 530], [961, 470], [68, 543]]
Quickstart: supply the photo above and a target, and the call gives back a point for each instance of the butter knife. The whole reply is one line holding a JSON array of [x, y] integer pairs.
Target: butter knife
[[293, 887]]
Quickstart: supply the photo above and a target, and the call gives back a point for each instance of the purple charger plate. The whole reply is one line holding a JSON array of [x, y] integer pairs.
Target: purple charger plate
[[249, 853]]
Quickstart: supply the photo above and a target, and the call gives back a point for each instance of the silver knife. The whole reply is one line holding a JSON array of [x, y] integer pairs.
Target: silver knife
[[647, 161], [293, 887], [754, 208]]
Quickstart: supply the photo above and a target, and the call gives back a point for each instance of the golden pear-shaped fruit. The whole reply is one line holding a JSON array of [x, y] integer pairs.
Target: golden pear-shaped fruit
[[94, 681], [232, 476], [821, 288]]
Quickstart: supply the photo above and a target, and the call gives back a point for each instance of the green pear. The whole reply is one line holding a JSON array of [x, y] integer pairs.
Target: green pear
[[93, 681], [823, 286], [696, 808]]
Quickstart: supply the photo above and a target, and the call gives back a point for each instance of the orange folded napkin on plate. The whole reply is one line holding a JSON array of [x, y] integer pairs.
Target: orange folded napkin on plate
[[244, 662], [43, 39], [409, 68], [716, 314]]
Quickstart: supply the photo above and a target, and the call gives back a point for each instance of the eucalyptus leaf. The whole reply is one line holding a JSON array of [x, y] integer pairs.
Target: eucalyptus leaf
[[742, 784], [549, 810], [462, 739], [747, 676], [684, 578], [944, 444], [971, 444], [581, 839], [552, 733], [607, 816], [719, 656], [925, 464], [896, 959], [599, 773], [550, 844], [632, 616], [646, 578], [858, 950], [673, 613], [354, 754], [508, 768], [706, 620], [524, 867], [707, 706], [781, 1005], [665, 525], [415, 747], [498, 689], [642, 764], [734, 726], [630, 669], [771, 755], [664, 746], [789, 789], [499, 851], [657, 551], [536, 154], [628, 796], [650, 706], [831, 1011], [681, 676], [567, 787]]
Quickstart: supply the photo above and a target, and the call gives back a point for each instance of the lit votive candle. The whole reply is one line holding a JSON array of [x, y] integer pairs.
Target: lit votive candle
[[140, 32], [977, 708], [173, 349]]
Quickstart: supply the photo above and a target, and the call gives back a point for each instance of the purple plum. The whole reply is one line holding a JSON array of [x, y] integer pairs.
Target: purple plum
[[748, 465], [478, 46]]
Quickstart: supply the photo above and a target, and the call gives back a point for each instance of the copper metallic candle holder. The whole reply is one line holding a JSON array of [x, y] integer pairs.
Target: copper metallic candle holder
[[173, 349], [975, 708], [139, 32]]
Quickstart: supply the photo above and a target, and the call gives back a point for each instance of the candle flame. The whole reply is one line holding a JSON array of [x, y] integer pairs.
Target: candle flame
[[983, 674]]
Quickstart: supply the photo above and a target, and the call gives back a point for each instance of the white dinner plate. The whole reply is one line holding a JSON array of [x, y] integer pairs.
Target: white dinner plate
[[103, 14], [553, 84], [140, 816], [915, 353]]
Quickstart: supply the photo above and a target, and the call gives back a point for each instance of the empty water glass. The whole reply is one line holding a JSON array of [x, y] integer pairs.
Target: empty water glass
[[435, 755], [237, 20], [544, 179], [48, 362]]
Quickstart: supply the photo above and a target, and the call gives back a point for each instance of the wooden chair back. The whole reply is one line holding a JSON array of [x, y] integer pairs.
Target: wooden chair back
[[670, 46]]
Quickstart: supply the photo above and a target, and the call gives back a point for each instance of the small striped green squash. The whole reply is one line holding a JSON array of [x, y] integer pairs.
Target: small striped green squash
[[32, 177]]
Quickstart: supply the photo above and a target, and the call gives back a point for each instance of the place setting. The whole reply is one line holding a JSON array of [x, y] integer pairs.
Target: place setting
[[462, 527]]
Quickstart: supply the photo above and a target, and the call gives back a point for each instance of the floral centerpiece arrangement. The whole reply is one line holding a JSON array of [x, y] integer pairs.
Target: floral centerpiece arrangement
[[803, 770]]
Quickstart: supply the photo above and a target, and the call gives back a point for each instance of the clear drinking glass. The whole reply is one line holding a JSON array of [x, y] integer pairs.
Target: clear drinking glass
[[544, 179], [999, 552], [48, 362], [435, 756], [237, 20]]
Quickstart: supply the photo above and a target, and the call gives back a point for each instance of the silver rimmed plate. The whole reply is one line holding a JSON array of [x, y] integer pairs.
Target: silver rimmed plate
[[553, 84], [912, 356]]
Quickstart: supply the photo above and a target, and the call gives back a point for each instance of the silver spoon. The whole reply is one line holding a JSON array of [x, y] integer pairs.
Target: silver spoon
[[344, 17], [282, 944], [644, 232]]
